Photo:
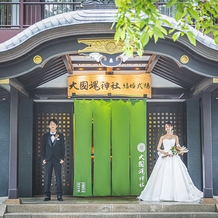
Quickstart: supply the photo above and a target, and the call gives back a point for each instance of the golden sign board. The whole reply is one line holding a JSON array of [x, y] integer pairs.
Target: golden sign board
[[121, 85], [215, 80], [4, 81]]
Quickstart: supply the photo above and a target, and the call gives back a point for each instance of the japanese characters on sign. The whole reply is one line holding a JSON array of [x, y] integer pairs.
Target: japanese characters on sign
[[131, 85], [80, 187], [141, 164]]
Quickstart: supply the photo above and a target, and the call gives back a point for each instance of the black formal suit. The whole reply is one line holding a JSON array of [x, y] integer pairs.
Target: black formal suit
[[53, 153]]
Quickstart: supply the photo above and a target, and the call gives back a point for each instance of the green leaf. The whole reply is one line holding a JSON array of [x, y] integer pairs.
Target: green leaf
[[198, 26], [117, 34], [182, 34], [216, 8], [163, 30], [215, 33], [171, 31], [155, 38], [205, 25], [120, 3], [131, 27], [180, 7], [171, 3], [144, 38], [193, 13], [209, 7], [151, 33], [139, 48], [166, 22], [129, 51], [178, 16], [216, 39], [123, 34], [158, 32], [191, 37], [153, 8], [208, 31], [176, 36]]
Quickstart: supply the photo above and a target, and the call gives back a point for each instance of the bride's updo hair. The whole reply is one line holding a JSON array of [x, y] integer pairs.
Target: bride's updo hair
[[169, 123]]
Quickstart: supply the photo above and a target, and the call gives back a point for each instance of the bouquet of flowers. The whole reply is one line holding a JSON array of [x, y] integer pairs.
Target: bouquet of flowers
[[177, 150]]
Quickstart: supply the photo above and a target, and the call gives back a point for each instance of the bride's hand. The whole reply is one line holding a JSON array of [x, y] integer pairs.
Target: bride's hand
[[168, 154], [164, 152]]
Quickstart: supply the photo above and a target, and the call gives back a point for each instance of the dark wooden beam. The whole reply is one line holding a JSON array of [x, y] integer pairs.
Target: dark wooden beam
[[152, 62], [157, 93], [119, 68], [207, 84], [49, 93], [18, 86], [68, 63], [169, 93], [7, 84], [90, 62]]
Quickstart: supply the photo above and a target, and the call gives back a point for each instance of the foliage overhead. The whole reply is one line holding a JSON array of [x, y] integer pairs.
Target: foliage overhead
[[138, 21]]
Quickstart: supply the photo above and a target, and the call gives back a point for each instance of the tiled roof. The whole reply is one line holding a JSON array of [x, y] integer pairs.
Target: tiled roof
[[200, 37], [82, 17]]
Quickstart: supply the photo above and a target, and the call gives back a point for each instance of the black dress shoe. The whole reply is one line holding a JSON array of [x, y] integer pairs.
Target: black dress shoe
[[47, 198], [59, 198]]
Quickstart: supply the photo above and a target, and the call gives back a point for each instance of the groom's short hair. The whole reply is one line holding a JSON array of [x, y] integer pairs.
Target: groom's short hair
[[53, 120]]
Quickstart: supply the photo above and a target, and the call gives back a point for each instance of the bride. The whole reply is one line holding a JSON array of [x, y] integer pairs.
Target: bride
[[170, 180]]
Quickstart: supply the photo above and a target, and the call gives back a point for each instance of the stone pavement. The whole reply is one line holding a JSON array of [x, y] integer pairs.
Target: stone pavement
[[2, 199], [103, 207], [71, 199]]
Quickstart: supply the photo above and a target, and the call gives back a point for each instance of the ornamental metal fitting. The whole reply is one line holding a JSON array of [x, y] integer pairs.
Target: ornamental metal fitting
[[108, 46], [184, 59], [106, 51], [37, 59]]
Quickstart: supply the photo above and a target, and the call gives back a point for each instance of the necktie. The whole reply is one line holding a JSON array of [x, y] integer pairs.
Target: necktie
[[52, 137]]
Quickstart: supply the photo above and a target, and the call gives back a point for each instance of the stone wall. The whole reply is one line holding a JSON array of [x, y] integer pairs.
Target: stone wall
[[25, 161]]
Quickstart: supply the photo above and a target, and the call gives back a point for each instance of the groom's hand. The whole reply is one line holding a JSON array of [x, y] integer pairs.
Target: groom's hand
[[61, 161]]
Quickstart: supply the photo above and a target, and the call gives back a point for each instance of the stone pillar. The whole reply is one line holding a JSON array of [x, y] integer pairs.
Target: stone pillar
[[13, 151], [4, 147], [206, 138]]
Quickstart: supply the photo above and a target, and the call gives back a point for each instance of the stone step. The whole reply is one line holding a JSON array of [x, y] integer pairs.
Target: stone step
[[110, 208], [115, 215]]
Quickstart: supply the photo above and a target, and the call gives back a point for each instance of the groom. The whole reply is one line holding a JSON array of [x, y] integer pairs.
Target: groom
[[52, 153]]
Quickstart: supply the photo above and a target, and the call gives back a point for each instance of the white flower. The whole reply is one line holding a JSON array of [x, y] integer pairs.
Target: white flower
[[170, 152], [141, 147]]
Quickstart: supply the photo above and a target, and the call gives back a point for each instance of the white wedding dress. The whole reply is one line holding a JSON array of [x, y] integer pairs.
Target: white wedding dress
[[170, 180]]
